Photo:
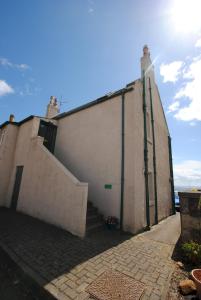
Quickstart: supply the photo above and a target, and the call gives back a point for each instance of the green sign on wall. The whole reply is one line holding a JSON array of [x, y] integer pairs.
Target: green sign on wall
[[108, 186]]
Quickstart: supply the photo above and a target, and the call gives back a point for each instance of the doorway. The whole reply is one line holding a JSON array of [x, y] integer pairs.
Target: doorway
[[16, 188], [48, 131]]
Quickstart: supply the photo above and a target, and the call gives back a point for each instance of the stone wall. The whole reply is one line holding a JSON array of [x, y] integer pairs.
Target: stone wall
[[190, 208]]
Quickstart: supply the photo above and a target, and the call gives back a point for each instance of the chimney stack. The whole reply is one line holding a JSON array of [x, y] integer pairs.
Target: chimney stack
[[52, 108], [147, 67], [12, 118]]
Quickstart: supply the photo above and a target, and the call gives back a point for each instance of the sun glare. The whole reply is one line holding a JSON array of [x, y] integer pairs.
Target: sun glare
[[186, 15]]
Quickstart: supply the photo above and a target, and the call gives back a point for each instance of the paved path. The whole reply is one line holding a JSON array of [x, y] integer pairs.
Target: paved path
[[167, 231], [65, 265]]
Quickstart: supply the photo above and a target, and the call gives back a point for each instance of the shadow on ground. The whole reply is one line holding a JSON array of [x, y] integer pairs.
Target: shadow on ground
[[16, 285], [48, 250]]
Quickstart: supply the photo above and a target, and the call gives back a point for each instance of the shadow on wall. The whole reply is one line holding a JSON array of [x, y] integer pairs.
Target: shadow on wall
[[51, 251]]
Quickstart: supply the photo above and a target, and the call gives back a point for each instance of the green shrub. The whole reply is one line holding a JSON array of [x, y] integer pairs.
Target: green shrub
[[192, 252]]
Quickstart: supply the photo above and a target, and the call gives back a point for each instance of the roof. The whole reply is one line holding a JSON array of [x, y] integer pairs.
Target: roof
[[18, 123], [108, 96]]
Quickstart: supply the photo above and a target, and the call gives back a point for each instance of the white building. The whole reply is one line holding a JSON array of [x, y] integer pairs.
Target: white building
[[114, 152]]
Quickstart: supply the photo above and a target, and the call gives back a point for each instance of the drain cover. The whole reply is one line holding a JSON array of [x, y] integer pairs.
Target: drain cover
[[113, 285]]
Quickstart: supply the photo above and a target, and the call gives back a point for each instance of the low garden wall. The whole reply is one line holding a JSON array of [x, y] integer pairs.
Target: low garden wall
[[190, 210]]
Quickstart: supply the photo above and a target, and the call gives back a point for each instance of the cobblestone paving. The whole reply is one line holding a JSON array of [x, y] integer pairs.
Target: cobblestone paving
[[68, 264]]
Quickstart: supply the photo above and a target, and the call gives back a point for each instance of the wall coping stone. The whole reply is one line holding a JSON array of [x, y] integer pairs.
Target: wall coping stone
[[190, 194]]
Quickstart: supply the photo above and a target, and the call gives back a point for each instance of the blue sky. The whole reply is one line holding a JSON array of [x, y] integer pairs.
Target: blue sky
[[79, 50]]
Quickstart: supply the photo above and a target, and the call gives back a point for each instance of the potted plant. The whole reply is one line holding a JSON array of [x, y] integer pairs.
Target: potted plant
[[196, 273], [196, 276], [192, 252], [111, 222]]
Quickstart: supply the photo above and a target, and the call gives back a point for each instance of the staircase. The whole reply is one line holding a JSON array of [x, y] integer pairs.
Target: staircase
[[94, 221]]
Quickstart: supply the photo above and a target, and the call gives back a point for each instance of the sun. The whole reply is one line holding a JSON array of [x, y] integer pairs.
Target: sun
[[186, 15]]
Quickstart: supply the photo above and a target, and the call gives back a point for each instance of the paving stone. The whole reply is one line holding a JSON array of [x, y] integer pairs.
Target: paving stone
[[82, 287], [71, 277], [60, 281], [82, 273], [161, 281], [148, 290], [139, 275], [71, 284], [83, 296], [62, 287], [71, 263], [70, 293], [81, 280], [153, 296]]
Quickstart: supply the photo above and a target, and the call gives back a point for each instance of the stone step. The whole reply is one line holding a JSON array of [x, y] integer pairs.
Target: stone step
[[94, 218], [94, 227], [91, 210], [89, 204]]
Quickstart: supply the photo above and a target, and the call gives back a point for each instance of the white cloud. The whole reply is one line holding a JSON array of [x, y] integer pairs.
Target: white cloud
[[198, 43], [91, 6], [173, 107], [188, 173], [6, 63], [192, 91], [23, 66], [171, 72], [5, 88], [90, 10]]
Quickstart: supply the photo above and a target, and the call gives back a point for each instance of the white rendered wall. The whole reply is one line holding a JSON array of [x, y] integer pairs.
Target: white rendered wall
[[134, 188], [7, 150], [48, 190], [88, 143], [51, 193], [162, 159]]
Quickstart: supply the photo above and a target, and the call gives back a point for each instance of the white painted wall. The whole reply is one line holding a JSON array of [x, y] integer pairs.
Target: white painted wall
[[7, 149], [88, 143], [48, 190], [162, 159], [134, 196]]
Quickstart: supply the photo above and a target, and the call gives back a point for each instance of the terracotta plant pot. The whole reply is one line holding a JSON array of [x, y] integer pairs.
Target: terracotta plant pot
[[196, 276]]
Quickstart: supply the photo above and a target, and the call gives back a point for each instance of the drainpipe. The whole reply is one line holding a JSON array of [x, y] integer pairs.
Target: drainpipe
[[154, 154], [122, 157], [171, 175], [146, 154]]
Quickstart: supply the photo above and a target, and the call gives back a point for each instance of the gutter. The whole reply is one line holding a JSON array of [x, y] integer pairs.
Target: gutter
[[95, 102], [171, 175], [154, 155], [146, 154], [122, 158]]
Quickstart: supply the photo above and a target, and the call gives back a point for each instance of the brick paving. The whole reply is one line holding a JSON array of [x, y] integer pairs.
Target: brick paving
[[65, 265]]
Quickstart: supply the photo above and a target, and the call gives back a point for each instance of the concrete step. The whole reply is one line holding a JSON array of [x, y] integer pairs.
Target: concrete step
[[94, 218], [94, 227], [91, 210], [89, 204]]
